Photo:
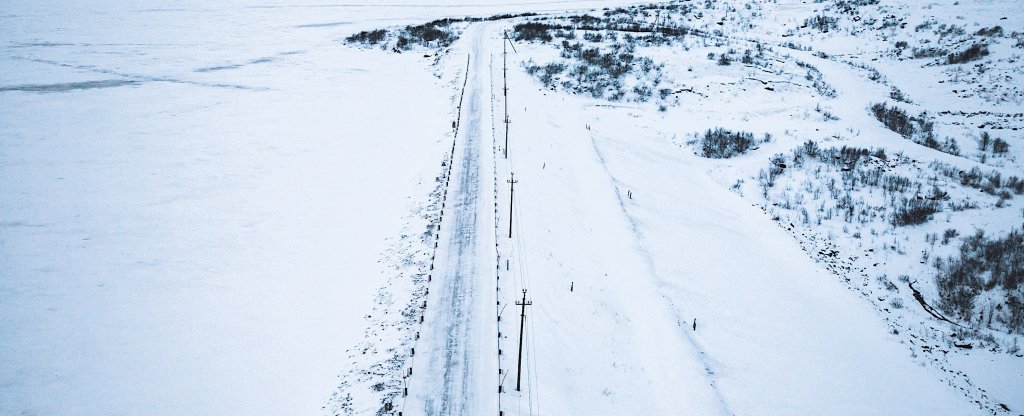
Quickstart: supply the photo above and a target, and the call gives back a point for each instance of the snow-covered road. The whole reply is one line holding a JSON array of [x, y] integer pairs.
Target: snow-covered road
[[454, 372]]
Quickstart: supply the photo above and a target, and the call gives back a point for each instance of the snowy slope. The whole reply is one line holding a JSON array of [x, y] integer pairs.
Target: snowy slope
[[775, 334], [695, 249]]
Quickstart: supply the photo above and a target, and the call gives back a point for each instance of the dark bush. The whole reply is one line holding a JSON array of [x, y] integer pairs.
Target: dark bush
[[369, 37], [822, 23], [546, 73], [722, 144], [531, 31], [509, 16], [913, 211], [984, 141], [1014, 184], [949, 30], [747, 59], [919, 129], [950, 146], [991, 31], [949, 234], [1000, 146], [602, 71], [437, 33], [974, 52], [985, 264], [898, 95], [919, 53], [896, 184], [810, 148], [845, 157], [991, 183], [895, 119]]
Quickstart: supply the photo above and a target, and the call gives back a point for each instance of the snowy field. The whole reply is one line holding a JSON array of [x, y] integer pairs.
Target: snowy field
[[220, 208]]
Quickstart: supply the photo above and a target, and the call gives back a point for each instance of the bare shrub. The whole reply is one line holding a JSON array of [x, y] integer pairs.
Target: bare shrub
[[972, 53], [913, 211], [984, 264], [722, 144]]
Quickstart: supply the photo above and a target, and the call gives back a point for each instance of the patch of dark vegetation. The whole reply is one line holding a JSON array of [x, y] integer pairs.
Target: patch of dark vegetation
[[598, 53], [914, 211], [545, 32], [368, 37], [504, 16], [848, 171], [897, 120], [992, 183], [985, 264], [928, 52], [438, 34], [898, 95], [998, 146], [822, 23], [817, 81], [919, 129], [990, 31], [945, 30], [972, 53], [432, 34], [601, 72], [850, 6], [534, 31], [901, 46], [723, 144]]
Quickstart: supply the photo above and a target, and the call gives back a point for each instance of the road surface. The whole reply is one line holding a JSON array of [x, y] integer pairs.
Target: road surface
[[455, 368]]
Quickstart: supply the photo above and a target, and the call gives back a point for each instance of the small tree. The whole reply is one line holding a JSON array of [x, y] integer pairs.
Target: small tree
[[984, 141], [1000, 146]]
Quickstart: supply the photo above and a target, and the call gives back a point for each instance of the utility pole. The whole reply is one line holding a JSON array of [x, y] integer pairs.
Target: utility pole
[[511, 199], [504, 75], [504, 89], [522, 323]]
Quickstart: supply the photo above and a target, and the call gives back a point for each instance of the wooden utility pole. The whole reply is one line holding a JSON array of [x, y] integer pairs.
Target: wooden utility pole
[[511, 199], [504, 77], [504, 72], [522, 323]]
